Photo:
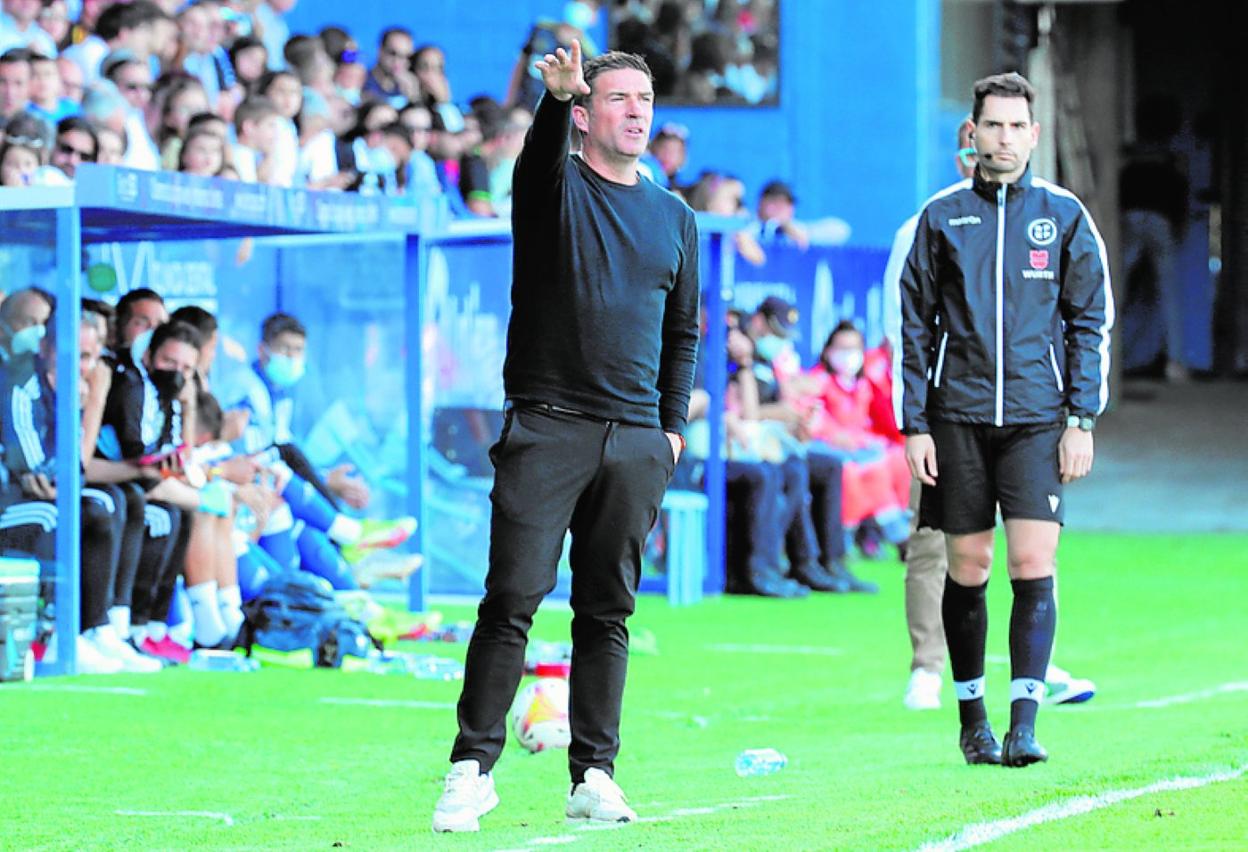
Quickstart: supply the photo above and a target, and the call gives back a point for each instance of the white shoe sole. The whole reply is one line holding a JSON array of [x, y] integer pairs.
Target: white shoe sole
[[468, 824]]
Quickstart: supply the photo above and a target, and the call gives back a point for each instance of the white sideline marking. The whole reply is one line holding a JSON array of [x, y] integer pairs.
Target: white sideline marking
[[986, 832], [390, 702], [225, 818], [69, 687], [554, 841], [1188, 697], [814, 650]]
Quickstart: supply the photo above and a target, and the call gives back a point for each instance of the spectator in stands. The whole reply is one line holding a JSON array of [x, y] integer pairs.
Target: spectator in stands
[[776, 216], [71, 79], [202, 153], [318, 154], [723, 195], [422, 172], [46, 101], [104, 106], [249, 59], [14, 82], [429, 65], [273, 29], [180, 99], [112, 146], [485, 174], [668, 150], [838, 415], [257, 124], [19, 28], [76, 142], [363, 152], [204, 58], [285, 90], [391, 79], [54, 20], [23, 320], [306, 57], [138, 311], [813, 481], [349, 72], [122, 26], [20, 159], [133, 78]]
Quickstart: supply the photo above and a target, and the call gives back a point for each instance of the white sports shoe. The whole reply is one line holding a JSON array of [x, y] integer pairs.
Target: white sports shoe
[[467, 796], [92, 661], [106, 641], [599, 798], [923, 690], [1062, 688]]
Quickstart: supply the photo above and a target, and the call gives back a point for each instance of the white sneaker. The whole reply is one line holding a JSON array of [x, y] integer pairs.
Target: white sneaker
[[923, 690], [467, 797], [1062, 688], [599, 798], [93, 661], [110, 645]]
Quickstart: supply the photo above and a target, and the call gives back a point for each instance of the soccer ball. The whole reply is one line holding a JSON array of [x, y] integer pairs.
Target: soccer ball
[[539, 715]]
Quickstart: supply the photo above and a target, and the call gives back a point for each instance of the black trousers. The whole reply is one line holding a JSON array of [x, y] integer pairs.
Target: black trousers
[[557, 471], [161, 562], [811, 516]]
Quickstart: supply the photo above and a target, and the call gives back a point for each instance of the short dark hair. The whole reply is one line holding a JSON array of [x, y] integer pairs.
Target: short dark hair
[[127, 16], [194, 315], [1011, 85], [208, 415], [15, 55], [255, 108], [612, 60], [182, 332], [280, 323], [393, 31], [125, 305], [72, 123]]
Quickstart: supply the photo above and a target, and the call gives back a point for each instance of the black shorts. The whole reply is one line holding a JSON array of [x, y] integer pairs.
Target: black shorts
[[981, 467]]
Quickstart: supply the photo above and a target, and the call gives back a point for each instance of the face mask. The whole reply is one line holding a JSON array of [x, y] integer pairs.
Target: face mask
[[283, 370], [27, 340], [169, 383], [846, 362], [767, 348]]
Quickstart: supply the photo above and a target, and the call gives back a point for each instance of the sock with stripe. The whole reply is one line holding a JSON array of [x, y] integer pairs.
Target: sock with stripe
[[964, 610], [1033, 621]]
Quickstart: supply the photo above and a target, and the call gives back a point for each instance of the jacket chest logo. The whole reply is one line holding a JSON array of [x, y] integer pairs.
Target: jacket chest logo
[[1042, 232], [1039, 259]]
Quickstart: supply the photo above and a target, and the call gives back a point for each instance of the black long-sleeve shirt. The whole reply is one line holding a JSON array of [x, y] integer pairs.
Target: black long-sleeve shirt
[[604, 291]]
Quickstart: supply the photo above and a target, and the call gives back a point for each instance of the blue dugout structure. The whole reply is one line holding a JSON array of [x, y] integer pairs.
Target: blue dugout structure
[[351, 267]]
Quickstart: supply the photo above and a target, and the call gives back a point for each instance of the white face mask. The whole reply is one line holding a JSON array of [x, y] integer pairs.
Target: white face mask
[[27, 340], [769, 347], [846, 362]]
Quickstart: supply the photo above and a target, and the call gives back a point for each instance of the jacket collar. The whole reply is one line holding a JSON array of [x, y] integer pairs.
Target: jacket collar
[[989, 189]]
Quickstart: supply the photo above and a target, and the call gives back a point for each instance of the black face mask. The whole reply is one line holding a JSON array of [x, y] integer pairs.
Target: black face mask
[[169, 383]]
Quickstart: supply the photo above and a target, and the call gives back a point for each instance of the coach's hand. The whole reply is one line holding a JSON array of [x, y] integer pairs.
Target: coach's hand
[[921, 456], [1074, 454], [561, 72]]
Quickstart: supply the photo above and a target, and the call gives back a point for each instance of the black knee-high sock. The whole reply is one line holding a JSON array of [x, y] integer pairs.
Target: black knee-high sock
[[965, 613], [1033, 621]]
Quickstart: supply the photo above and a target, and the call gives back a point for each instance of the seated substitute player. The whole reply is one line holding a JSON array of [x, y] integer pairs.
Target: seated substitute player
[[1006, 312]]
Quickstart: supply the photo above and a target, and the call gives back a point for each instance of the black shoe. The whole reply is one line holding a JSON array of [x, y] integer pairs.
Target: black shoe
[[1021, 748], [768, 582], [837, 569], [979, 745], [815, 576]]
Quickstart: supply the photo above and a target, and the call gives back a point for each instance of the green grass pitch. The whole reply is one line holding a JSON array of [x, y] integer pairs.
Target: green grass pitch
[[280, 760]]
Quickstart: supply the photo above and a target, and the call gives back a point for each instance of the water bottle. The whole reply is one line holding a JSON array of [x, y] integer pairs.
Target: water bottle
[[206, 660], [436, 668], [760, 761]]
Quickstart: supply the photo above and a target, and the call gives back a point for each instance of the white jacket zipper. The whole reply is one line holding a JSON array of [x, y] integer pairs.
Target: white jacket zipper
[[999, 419]]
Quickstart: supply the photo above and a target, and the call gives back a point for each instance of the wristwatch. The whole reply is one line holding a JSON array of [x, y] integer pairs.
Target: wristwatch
[[1087, 424]]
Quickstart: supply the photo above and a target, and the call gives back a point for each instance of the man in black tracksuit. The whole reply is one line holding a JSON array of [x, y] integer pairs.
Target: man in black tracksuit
[[600, 365], [1006, 313]]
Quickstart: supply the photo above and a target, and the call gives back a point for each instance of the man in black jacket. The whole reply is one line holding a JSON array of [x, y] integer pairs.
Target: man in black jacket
[[600, 362], [1006, 312]]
